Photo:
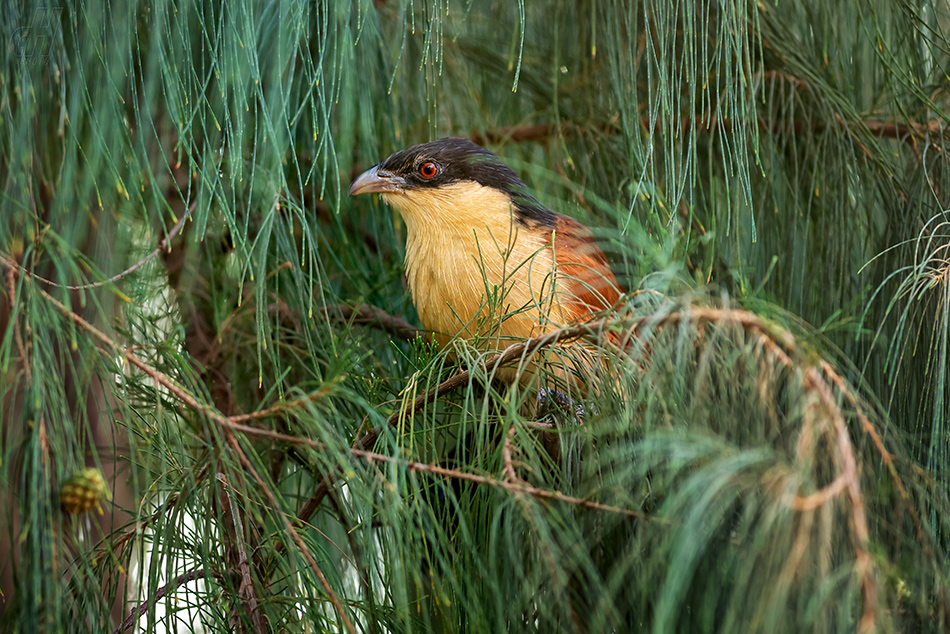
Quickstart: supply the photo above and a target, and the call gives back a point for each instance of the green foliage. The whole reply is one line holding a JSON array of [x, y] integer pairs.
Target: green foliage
[[187, 302]]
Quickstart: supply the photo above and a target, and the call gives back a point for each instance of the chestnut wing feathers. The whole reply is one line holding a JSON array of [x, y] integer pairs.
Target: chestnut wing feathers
[[584, 276]]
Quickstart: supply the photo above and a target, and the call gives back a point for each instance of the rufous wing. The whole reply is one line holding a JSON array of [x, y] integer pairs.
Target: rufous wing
[[585, 281]]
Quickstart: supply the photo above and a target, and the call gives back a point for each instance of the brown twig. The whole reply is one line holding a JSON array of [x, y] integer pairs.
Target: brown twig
[[888, 460], [516, 351], [162, 245], [820, 497], [281, 408], [535, 424], [516, 487], [11, 289], [517, 134], [868, 427], [136, 612], [520, 352], [862, 555], [781, 344], [371, 315], [506, 451], [881, 129], [246, 588], [847, 480]]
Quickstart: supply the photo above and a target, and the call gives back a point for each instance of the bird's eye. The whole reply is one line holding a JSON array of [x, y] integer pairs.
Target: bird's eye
[[428, 169]]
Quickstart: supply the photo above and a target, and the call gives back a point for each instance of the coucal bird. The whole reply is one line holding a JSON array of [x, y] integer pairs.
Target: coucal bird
[[485, 260]]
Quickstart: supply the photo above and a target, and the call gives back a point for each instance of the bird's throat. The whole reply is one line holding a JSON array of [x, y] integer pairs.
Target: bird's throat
[[471, 269]]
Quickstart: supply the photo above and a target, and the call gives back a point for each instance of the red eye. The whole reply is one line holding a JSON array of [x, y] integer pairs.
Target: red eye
[[428, 169]]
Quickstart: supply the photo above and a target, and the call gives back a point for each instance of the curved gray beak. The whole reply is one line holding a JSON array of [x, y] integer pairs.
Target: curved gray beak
[[375, 180]]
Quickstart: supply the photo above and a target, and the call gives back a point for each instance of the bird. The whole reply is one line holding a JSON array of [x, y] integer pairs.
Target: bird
[[485, 261]]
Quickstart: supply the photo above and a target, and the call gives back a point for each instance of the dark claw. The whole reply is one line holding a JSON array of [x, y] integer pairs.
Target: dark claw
[[554, 403]]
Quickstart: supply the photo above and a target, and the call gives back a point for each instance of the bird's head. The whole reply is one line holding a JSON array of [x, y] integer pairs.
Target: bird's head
[[451, 182]]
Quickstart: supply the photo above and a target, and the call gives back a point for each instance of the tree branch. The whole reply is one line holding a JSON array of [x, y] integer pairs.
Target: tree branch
[[518, 486], [520, 350], [135, 613], [246, 590], [162, 245], [543, 131], [367, 314]]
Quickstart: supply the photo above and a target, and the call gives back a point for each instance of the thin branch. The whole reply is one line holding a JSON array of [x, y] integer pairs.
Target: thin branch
[[519, 134], [863, 564], [543, 131], [848, 479], [516, 487], [135, 613], [246, 588], [11, 289], [281, 408], [869, 428], [520, 351], [506, 451], [888, 460], [367, 314], [820, 497], [162, 245], [775, 339]]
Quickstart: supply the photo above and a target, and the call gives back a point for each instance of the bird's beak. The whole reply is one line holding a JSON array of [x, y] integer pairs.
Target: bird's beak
[[375, 180]]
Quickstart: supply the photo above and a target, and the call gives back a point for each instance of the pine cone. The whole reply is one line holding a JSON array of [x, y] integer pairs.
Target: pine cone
[[83, 491]]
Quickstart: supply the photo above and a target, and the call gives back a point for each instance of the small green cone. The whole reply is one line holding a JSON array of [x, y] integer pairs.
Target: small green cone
[[84, 490]]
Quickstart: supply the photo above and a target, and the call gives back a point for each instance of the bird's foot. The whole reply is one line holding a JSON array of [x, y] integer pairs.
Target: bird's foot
[[554, 404]]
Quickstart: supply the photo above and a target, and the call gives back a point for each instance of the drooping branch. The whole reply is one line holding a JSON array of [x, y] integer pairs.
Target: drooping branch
[[163, 245], [517, 486]]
